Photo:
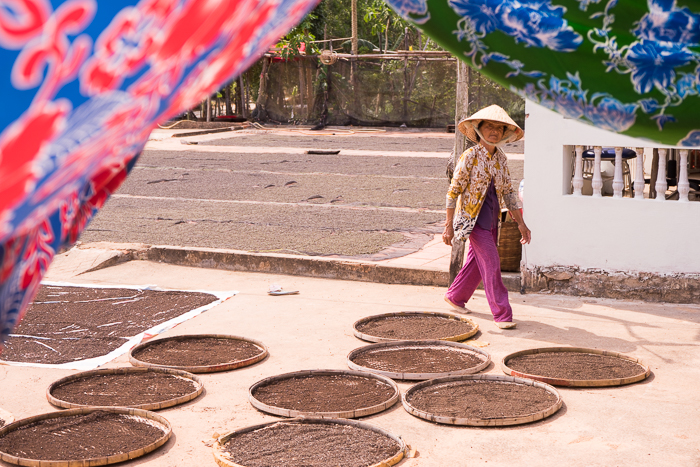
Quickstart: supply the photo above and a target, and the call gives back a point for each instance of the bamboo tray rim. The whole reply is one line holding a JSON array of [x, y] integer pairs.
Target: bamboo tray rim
[[441, 314], [223, 461], [6, 416], [413, 343], [361, 412], [105, 460], [198, 387], [493, 421], [225, 366], [577, 382]]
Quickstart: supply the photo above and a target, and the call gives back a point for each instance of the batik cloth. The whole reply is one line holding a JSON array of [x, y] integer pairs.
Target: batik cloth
[[473, 174], [83, 84]]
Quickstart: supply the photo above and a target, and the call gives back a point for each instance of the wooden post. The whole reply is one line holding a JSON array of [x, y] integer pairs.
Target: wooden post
[[240, 81], [386, 38], [404, 111], [478, 97], [461, 112], [302, 91], [353, 60], [247, 95], [261, 103], [354, 26], [227, 95]]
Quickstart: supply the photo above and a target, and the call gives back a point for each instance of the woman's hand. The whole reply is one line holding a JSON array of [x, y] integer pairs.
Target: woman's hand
[[525, 232], [448, 234]]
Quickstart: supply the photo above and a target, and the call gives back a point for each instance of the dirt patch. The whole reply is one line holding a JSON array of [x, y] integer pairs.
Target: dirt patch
[[124, 390], [310, 445], [575, 366], [414, 359], [97, 434], [324, 393], [414, 327], [65, 324], [196, 351], [479, 399]]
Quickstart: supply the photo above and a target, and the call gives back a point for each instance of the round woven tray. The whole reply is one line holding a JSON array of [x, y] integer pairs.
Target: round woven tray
[[222, 459], [361, 412], [500, 421], [198, 386], [427, 343], [113, 459], [370, 338], [225, 366], [7, 416], [589, 383]]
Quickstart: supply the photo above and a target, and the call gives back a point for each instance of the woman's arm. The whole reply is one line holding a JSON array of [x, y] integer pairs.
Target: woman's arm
[[524, 231], [457, 184], [449, 232]]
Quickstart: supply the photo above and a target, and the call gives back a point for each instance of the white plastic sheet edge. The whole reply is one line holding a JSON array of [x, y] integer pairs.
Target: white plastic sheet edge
[[92, 363]]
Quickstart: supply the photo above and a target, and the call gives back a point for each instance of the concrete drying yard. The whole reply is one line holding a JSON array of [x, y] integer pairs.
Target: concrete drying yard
[[654, 422]]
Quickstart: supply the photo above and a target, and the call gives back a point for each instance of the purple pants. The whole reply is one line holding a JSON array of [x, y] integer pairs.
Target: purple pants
[[484, 263]]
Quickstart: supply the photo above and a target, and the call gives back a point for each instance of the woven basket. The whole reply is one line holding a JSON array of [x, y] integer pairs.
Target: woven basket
[[580, 383], [509, 247], [147, 417]]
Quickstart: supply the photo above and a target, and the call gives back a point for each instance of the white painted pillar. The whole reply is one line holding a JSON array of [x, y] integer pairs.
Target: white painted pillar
[[639, 175], [597, 182], [578, 171], [618, 184], [683, 185], [661, 184]]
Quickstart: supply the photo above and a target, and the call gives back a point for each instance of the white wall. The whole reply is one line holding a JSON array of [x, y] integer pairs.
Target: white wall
[[598, 233]]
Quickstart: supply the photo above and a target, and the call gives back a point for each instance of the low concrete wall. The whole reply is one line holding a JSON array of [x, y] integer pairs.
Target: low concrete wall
[[671, 288], [102, 255], [299, 266]]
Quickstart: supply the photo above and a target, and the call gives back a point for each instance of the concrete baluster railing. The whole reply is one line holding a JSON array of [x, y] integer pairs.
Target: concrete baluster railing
[[661, 184], [578, 171], [618, 184], [597, 182]]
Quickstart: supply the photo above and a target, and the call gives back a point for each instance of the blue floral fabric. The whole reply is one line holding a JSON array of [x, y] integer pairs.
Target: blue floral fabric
[[626, 66]]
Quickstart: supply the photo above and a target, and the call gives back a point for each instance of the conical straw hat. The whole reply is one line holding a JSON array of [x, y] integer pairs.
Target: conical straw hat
[[493, 113]]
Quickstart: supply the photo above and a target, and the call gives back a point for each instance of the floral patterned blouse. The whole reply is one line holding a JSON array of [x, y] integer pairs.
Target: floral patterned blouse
[[472, 176]]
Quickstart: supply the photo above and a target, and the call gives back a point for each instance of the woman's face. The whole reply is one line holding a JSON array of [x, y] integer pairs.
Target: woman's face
[[492, 132]]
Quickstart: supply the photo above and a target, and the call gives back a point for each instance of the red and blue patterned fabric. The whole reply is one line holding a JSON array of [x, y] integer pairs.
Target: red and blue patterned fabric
[[83, 84]]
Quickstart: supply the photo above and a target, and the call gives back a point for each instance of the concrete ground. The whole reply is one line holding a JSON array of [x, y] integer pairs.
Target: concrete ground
[[651, 423]]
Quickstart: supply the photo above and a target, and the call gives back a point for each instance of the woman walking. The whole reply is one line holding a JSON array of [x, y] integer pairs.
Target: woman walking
[[482, 178]]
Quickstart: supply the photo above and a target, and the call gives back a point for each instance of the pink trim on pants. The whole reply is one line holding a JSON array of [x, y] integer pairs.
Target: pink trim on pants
[[482, 262]]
